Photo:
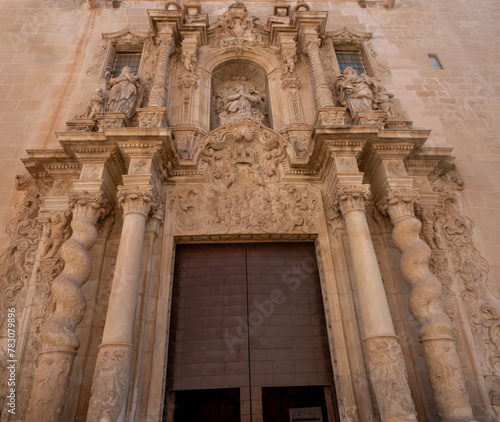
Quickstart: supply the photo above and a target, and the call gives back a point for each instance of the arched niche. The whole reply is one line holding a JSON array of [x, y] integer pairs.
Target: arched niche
[[211, 61], [239, 94]]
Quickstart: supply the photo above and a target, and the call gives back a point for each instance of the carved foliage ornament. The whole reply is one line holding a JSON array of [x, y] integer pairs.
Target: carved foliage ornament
[[349, 198], [466, 261], [243, 165]]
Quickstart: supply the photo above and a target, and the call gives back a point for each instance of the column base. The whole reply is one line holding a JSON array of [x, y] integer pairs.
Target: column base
[[51, 385], [111, 382], [389, 379]]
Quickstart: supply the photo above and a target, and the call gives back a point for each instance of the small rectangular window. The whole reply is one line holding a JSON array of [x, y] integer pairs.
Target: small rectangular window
[[132, 60], [351, 58], [435, 62]]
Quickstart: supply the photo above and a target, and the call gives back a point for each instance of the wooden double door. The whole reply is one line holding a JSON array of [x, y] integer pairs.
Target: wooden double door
[[248, 338]]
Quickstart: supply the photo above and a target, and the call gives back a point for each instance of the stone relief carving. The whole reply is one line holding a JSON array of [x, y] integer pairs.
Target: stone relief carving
[[112, 370], [431, 230], [237, 28], [239, 101], [472, 269], [288, 58], [57, 231], [243, 165], [149, 61], [99, 56], [25, 232], [189, 60], [385, 360]]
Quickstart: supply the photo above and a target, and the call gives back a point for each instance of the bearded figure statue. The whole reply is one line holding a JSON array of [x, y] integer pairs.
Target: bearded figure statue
[[125, 93]]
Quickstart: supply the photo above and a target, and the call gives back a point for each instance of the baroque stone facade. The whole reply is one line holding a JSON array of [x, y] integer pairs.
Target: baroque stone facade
[[211, 122]]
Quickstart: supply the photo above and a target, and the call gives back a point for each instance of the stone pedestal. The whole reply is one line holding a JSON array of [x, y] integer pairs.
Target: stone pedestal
[[330, 116], [370, 117], [112, 119], [152, 117], [397, 122], [81, 125]]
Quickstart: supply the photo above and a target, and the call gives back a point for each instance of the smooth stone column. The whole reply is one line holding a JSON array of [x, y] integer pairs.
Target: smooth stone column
[[385, 359], [114, 361]]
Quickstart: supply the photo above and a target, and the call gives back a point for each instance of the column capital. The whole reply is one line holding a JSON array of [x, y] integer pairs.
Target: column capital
[[399, 203], [137, 199], [350, 198], [312, 40], [90, 206]]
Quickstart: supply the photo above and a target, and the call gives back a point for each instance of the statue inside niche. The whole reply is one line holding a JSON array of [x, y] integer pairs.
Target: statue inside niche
[[96, 105], [125, 93], [239, 102], [354, 91]]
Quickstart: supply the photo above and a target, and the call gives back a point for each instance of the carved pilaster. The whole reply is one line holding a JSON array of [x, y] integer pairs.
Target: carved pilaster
[[158, 94], [110, 385], [187, 83], [436, 334], [322, 92], [137, 199], [59, 341], [292, 84], [387, 370]]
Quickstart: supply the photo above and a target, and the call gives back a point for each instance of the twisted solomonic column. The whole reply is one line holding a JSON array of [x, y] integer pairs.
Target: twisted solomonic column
[[116, 353], [322, 91], [440, 353], [59, 341], [385, 359], [158, 94]]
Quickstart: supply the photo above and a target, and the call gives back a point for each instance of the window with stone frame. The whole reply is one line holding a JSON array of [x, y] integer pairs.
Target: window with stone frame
[[350, 58]]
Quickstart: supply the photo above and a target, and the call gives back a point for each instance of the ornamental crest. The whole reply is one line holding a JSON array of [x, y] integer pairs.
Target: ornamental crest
[[243, 164], [238, 28]]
